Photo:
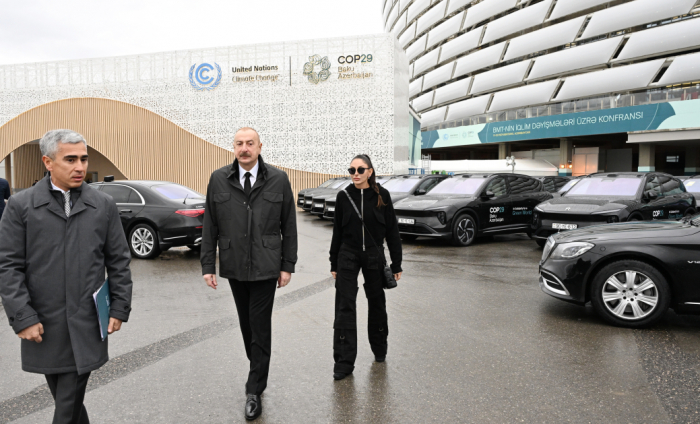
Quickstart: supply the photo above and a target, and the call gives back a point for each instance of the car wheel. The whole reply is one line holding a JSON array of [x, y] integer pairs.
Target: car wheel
[[143, 242], [630, 294], [409, 237], [634, 218], [541, 242], [463, 230], [197, 248]]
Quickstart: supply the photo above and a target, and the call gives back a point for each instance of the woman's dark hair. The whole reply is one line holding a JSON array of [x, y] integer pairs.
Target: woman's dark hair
[[373, 179]]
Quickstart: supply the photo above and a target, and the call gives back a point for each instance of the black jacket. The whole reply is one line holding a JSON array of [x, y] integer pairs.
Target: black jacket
[[381, 223], [258, 238]]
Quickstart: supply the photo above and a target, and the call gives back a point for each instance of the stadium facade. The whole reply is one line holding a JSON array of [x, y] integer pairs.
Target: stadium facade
[[590, 85], [172, 116]]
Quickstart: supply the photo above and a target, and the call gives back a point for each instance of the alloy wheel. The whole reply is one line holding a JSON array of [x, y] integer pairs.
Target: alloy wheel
[[465, 230], [142, 241], [630, 295]]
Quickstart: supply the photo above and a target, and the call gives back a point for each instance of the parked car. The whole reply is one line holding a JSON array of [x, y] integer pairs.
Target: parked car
[[631, 272], [339, 184], [613, 197], [320, 202], [692, 185], [553, 184], [157, 215], [302, 193], [399, 187], [463, 207]]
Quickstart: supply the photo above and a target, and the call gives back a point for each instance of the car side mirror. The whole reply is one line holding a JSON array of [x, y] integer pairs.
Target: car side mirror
[[421, 192], [488, 194]]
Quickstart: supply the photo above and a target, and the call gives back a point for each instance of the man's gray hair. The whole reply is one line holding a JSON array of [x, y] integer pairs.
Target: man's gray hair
[[49, 142]]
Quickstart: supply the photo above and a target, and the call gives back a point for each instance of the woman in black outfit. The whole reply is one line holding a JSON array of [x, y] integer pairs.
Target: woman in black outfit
[[352, 250]]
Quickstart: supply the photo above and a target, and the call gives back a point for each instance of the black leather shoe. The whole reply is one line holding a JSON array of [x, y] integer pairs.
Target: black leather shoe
[[253, 407], [339, 375], [380, 358]]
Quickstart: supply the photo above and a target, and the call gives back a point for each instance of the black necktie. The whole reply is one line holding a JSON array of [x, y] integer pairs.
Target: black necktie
[[246, 187]]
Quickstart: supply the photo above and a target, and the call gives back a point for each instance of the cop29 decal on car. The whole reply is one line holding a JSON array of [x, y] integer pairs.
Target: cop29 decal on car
[[200, 77], [323, 71], [464, 207], [613, 197]]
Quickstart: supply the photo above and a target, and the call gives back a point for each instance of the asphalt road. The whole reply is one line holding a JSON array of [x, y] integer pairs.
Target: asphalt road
[[472, 340]]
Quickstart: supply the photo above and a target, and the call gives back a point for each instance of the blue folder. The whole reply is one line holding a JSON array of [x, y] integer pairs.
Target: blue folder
[[101, 298]]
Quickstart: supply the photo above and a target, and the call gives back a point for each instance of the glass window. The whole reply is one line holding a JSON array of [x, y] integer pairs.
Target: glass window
[[428, 184], [401, 185], [559, 183], [338, 183], [671, 187], [653, 188], [568, 185], [692, 185], [119, 193], [326, 184], [134, 197], [520, 185], [613, 186], [497, 186], [176, 192], [383, 180], [549, 185], [459, 185]]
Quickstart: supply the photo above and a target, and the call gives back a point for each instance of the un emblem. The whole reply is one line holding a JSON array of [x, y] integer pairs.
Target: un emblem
[[445, 137], [323, 74], [200, 79]]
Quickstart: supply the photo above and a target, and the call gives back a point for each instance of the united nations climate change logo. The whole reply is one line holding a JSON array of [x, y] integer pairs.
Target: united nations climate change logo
[[199, 78], [309, 69]]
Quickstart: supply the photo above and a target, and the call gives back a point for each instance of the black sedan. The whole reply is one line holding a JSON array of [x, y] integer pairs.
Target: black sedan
[[613, 197], [302, 193], [157, 215], [464, 207], [399, 187], [630, 272], [337, 184]]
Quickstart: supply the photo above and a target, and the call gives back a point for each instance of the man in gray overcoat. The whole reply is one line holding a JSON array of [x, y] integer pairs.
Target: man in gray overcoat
[[56, 240]]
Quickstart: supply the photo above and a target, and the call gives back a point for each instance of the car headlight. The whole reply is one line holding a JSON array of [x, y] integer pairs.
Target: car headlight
[[571, 250], [607, 212]]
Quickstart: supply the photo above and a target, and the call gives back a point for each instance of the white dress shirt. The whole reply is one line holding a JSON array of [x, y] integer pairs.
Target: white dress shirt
[[253, 175], [55, 187]]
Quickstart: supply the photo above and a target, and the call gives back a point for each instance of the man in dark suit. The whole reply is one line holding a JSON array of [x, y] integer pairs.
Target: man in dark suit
[[56, 240], [4, 194], [250, 213]]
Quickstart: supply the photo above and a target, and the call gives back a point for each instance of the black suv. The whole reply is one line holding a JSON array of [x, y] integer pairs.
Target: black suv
[[613, 197], [463, 207]]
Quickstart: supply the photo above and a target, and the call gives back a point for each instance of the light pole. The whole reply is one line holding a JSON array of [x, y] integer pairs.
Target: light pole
[[510, 161]]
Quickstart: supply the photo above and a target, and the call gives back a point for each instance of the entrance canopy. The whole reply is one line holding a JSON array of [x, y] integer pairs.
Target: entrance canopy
[[532, 167]]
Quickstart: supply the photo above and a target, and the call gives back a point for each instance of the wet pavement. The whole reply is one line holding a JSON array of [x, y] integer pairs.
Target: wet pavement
[[472, 340]]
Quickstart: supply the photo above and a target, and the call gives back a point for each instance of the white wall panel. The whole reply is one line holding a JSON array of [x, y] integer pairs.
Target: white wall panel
[[417, 8], [384, 5], [403, 4], [423, 102], [431, 17], [635, 13], [501, 77], [543, 39], [467, 108], [433, 117], [446, 29], [619, 79], [528, 95], [415, 87], [387, 10], [392, 18], [586, 56], [400, 25], [666, 38], [426, 62], [416, 48], [407, 36], [456, 4], [517, 21], [479, 59], [461, 44], [438, 76], [487, 9], [567, 7], [683, 69], [452, 91]]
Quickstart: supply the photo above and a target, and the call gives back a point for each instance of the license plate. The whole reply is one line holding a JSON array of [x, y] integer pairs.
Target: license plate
[[407, 221], [564, 226], [331, 209]]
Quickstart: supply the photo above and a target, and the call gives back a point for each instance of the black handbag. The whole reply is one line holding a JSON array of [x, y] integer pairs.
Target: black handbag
[[388, 276]]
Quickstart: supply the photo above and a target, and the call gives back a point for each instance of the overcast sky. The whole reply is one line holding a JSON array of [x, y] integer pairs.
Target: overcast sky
[[48, 30]]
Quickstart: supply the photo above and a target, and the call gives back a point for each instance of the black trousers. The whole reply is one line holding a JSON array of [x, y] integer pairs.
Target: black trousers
[[350, 263], [68, 391], [254, 301]]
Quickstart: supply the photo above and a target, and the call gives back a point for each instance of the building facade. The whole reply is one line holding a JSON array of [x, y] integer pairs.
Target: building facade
[[172, 116], [591, 85]]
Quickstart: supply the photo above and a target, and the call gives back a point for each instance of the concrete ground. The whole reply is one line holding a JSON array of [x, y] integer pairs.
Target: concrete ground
[[472, 340]]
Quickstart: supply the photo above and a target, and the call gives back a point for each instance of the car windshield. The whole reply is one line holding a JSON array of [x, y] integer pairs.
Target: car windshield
[[401, 185], [177, 192], [338, 183], [383, 180], [692, 186], [326, 184], [613, 186], [468, 186], [568, 185]]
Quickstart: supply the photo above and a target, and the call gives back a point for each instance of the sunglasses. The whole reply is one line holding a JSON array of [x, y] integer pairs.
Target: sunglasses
[[360, 170]]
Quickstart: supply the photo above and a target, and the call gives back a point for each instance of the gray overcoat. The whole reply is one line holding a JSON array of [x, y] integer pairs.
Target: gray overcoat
[[51, 265]]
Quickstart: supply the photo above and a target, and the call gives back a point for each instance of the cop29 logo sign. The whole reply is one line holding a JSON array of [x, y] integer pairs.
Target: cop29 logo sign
[[200, 78], [310, 69]]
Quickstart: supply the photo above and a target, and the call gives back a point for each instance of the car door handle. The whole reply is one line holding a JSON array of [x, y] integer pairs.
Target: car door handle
[[125, 211]]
